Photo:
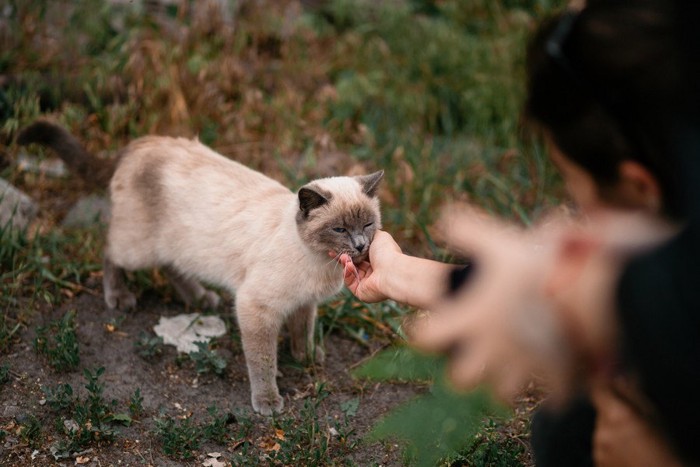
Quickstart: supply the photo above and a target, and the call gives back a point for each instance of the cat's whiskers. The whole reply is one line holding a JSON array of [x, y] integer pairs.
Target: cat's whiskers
[[335, 259]]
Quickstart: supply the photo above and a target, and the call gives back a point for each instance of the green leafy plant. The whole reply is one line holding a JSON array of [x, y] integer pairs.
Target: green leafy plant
[[309, 437], [136, 404], [59, 397], [58, 342], [181, 438], [91, 420], [30, 431], [148, 346], [437, 425], [206, 359]]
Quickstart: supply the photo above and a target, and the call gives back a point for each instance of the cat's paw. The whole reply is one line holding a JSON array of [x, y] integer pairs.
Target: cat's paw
[[319, 355], [210, 300], [266, 404], [121, 299], [313, 356]]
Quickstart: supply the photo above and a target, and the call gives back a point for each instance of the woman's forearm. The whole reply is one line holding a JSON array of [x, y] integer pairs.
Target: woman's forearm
[[416, 281]]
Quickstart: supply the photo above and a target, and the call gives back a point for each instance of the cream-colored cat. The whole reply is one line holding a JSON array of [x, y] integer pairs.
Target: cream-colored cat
[[178, 205]]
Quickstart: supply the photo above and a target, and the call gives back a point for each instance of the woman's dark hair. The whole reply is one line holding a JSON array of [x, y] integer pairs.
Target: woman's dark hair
[[603, 83]]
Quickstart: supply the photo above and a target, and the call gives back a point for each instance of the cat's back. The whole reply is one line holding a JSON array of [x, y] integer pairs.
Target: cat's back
[[158, 160]]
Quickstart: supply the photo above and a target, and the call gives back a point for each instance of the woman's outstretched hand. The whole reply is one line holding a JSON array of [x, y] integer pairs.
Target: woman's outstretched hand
[[366, 280]]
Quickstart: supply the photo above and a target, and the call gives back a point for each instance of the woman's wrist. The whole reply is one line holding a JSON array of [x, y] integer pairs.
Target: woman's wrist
[[415, 281]]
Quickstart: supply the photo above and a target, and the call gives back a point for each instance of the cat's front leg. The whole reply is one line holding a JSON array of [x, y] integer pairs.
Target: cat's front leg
[[301, 325], [260, 328]]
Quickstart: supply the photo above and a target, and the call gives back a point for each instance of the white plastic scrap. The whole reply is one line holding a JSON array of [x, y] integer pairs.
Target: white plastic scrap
[[183, 331]]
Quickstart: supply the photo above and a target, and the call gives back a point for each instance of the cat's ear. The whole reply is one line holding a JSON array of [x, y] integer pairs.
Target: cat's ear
[[310, 199], [370, 183]]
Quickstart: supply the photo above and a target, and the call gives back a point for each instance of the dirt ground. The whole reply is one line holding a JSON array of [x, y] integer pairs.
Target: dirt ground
[[175, 389]]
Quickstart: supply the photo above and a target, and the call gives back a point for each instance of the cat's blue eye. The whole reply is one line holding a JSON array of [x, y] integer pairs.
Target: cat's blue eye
[[339, 230], [369, 225]]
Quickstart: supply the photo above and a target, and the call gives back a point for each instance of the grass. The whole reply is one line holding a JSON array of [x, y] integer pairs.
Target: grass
[[180, 439], [428, 91], [58, 343], [306, 439]]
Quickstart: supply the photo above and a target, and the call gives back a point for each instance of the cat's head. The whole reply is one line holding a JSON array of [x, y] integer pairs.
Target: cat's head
[[340, 214]]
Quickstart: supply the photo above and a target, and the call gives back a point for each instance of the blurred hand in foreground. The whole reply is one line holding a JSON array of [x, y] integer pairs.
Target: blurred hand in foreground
[[541, 301]]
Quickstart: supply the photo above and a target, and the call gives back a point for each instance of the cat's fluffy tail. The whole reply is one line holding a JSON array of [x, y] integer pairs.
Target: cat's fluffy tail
[[94, 171]]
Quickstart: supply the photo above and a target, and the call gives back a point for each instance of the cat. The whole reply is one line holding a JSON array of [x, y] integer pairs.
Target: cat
[[178, 205]]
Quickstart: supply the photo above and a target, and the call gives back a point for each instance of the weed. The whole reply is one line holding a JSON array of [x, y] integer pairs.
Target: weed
[[45, 267], [148, 347], [59, 397], [179, 439], [8, 332], [361, 321], [490, 447], [206, 359], [217, 428], [307, 438], [136, 404], [92, 418], [58, 343], [4, 373], [30, 431]]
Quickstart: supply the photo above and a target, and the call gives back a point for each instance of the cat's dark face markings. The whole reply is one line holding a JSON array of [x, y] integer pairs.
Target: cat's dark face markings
[[341, 222], [350, 232]]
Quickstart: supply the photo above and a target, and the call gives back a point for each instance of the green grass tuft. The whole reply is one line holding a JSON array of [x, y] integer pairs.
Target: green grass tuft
[[58, 342]]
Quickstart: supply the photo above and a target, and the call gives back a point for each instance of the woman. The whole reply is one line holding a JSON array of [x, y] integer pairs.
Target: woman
[[604, 86]]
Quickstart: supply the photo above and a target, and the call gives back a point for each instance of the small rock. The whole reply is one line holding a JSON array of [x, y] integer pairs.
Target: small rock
[[55, 168], [16, 208], [11, 411], [87, 212], [71, 426], [211, 462]]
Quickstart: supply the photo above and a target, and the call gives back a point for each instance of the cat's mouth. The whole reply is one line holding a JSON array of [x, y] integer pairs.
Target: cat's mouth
[[359, 257], [356, 257]]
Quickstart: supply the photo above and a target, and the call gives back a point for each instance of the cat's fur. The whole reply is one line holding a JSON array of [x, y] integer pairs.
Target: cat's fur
[[178, 205]]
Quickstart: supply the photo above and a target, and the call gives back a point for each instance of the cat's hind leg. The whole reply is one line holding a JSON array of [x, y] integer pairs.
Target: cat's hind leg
[[260, 328], [190, 290], [117, 294], [301, 335]]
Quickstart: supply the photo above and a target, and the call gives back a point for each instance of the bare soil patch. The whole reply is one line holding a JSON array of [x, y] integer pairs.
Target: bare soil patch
[[171, 387]]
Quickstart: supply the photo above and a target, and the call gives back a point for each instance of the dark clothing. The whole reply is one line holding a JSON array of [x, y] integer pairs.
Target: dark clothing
[[659, 309], [564, 437]]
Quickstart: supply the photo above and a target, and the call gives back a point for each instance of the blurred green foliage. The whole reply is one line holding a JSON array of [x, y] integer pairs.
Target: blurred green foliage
[[441, 425]]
